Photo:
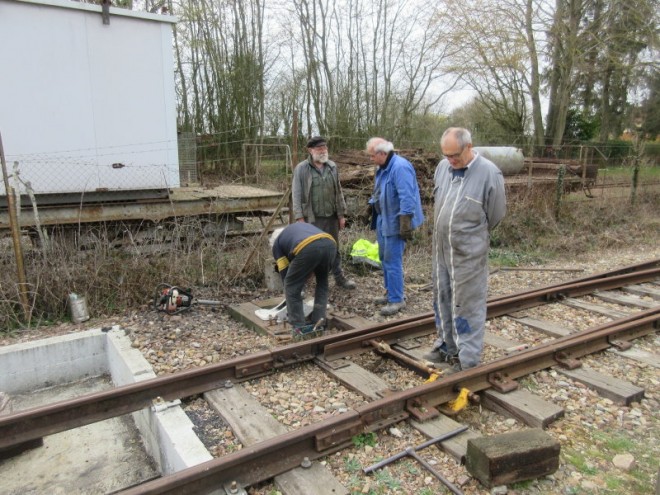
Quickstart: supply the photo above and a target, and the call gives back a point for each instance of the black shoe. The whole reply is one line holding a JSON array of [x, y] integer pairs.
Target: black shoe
[[440, 356], [345, 283], [454, 368]]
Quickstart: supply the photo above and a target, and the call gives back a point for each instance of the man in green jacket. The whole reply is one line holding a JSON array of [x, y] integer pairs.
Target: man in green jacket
[[318, 199]]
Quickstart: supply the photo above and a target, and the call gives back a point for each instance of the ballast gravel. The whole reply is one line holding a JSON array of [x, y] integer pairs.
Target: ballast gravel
[[593, 431]]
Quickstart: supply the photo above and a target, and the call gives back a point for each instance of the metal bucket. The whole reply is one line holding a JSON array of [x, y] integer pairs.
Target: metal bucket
[[78, 307]]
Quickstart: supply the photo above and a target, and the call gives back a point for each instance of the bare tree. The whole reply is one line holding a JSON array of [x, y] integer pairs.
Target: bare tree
[[566, 48], [369, 67], [498, 58]]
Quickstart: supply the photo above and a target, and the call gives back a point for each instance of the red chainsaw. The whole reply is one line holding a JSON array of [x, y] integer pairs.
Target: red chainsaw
[[174, 300]]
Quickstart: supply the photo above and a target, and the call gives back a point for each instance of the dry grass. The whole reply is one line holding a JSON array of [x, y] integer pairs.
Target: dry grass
[[118, 269]]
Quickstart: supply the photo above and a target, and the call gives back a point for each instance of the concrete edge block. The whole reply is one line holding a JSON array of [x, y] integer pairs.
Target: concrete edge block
[[166, 430], [29, 366], [180, 447], [126, 364]]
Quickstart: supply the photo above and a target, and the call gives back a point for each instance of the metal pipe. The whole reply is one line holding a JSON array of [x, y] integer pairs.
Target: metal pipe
[[412, 451], [395, 457], [453, 488], [384, 348]]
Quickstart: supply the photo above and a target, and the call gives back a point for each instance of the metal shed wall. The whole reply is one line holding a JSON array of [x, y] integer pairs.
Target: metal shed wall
[[86, 106]]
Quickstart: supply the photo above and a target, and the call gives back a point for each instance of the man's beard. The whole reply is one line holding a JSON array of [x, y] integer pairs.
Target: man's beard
[[320, 157]]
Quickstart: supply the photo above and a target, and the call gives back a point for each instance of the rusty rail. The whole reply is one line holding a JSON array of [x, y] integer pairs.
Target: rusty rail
[[269, 458], [30, 425]]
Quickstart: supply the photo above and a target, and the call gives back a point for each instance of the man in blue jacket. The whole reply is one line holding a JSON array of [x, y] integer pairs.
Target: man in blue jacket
[[469, 201], [300, 250], [396, 212]]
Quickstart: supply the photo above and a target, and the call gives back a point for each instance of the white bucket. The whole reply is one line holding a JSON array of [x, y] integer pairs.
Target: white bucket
[[78, 307]]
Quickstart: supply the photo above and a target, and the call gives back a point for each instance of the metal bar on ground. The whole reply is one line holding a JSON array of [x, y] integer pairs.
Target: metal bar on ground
[[401, 454]]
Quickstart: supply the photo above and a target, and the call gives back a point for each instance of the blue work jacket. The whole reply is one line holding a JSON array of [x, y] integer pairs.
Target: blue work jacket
[[397, 193]]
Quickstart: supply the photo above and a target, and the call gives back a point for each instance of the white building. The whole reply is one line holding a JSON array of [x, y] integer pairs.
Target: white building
[[87, 108]]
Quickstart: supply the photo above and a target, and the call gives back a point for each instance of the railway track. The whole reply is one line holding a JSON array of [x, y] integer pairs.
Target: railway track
[[423, 406]]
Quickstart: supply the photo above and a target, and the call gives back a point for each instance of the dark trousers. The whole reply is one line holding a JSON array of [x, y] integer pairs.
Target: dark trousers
[[317, 258], [331, 226]]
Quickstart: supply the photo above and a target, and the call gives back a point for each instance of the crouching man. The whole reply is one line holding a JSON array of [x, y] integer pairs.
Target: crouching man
[[300, 250]]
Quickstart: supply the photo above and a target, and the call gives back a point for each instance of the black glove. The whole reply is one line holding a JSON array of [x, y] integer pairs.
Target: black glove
[[405, 227]]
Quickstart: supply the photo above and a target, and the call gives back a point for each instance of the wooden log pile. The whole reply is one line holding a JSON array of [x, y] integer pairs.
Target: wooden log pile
[[357, 172]]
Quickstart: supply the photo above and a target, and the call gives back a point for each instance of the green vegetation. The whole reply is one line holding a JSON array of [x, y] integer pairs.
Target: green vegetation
[[523, 485], [384, 477], [352, 465], [596, 461], [370, 439], [579, 460]]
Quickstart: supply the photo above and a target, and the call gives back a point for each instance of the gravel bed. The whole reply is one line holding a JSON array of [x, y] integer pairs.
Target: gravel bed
[[592, 432]]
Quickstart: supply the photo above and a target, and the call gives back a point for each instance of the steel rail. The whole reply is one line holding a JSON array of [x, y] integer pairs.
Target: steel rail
[[277, 455], [354, 342], [23, 427]]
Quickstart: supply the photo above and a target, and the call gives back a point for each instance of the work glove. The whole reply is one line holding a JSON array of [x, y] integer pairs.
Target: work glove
[[405, 227]]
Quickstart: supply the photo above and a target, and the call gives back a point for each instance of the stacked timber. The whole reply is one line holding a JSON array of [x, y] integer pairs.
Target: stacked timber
[[357, 172]]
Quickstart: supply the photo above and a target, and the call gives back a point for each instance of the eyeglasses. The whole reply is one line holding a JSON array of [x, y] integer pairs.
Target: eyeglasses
[[455, 155]]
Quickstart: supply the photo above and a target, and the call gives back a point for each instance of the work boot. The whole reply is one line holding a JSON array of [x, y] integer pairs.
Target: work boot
[[345, 283], [439, 355], [380, 300], [454, 368], [392, 308]]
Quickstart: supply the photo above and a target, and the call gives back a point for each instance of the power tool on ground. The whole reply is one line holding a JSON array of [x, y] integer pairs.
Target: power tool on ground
[[172, 299]]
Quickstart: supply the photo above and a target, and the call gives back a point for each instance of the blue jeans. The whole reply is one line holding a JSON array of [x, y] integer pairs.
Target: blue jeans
[[390, 251], [317, 258]]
